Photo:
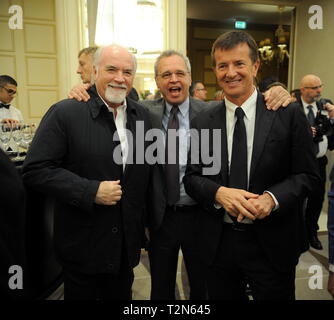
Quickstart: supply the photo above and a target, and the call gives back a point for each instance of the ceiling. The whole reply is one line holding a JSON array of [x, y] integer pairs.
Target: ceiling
[[229, 11]]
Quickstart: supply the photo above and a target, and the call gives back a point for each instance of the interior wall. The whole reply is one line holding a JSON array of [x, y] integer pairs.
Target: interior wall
[[41, 57], [314, 48], [314, 54]]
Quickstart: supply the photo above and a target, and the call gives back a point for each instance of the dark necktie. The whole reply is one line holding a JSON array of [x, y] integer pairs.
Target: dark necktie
[[172, 154], [311, 120], [310, 115], [2, 105], [238, 167]]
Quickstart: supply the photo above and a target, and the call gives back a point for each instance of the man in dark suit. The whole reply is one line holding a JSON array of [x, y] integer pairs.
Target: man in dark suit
[[252, 225], [81, 155], [311, 89], [12, 228]]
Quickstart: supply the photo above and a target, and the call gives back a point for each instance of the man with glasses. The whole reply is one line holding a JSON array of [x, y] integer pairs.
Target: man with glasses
[[311, 89], [197, 90], [8, 90]]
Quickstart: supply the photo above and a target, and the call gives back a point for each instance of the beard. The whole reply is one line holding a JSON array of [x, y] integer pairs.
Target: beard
[[116, 96]]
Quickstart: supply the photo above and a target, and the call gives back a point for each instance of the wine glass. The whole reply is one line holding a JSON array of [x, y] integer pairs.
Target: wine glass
[[27, 135], [17, 138], [5, 135]]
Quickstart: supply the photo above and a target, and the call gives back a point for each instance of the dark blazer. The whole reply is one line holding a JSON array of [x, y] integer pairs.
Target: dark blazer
[[12, 225], [72, 152], [283, 162], [157, 195], [330, 133]]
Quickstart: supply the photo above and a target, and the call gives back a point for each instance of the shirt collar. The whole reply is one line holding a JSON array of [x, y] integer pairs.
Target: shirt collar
[[305, 104], [249, 106], [183, 107]]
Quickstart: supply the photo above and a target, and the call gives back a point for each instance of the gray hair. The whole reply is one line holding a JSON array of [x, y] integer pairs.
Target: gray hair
[[88, 51], [98, 53], [169, 53]]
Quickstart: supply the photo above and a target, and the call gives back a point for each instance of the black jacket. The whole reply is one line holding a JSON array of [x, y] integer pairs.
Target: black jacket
[[283, 162], [72, 152]]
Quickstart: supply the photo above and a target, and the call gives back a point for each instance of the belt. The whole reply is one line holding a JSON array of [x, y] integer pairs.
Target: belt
[[182, 208], [237, 226]]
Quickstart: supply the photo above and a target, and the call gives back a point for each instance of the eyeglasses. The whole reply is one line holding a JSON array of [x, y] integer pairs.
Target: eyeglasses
[[11, 92], [314, 88], [168, 75]]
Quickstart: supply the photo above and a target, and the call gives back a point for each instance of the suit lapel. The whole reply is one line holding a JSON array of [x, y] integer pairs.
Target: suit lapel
[[263, 122], [218, 121], [194, 109], [158, 111]]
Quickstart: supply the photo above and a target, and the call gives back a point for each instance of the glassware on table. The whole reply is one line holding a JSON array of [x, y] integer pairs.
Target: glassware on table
[[17, 138], [27, 134], [5, 135]]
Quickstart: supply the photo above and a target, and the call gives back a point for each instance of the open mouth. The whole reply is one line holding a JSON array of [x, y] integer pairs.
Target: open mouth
[[174, 90]]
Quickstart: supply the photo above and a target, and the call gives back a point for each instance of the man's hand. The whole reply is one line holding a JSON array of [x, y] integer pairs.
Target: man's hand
[[10, 121], [277, 97], [330, 285], [108, 193], [264, 204], [235, 202], [330, 108], [79, 92]]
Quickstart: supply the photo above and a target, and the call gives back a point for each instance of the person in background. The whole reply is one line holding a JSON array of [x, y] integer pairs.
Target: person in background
[[295, 94], [8, 90], [197, 90], [79, 156], [311, 89], [85, 68], [269, 82], [219, 95]]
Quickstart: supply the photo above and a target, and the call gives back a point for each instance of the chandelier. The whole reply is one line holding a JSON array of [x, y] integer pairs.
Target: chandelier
[[277, 50]]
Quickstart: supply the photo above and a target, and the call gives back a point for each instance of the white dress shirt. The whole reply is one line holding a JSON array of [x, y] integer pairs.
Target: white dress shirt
[[120, 122], [11, 113], [249, 108], [323, 145]]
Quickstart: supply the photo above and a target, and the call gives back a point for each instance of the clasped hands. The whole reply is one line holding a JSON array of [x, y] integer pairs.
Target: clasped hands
[[108, 193], [243, 204]]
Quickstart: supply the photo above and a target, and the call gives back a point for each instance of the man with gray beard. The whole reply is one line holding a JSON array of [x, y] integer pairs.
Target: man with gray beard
[[79, 156]]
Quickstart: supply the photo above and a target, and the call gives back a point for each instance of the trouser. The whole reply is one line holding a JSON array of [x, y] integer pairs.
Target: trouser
[[179, 229], [316, 199], [241, 260]]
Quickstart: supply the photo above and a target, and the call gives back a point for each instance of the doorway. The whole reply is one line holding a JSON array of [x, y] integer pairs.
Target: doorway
[[270, 25]]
